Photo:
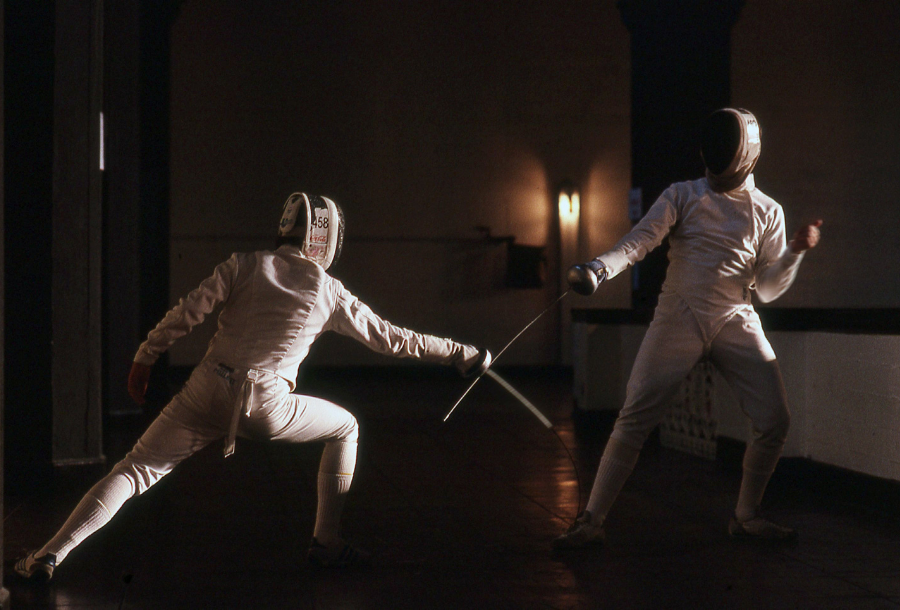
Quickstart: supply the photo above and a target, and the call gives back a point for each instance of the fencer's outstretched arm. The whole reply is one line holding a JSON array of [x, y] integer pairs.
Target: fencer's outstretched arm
[[644, 237], [189, 312], [355, 319], [778, 261]]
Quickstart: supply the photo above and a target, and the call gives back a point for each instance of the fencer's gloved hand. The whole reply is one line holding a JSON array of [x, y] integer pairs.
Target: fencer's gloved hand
[[138, 379], [585, 278], [482, 363]]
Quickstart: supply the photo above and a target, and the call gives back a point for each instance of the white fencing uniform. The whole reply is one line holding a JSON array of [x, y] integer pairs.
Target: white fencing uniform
[[275, 305], [721, 246]]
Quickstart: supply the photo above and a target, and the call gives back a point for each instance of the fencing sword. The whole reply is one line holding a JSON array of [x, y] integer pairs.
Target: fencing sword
[[497, 378], [508, 387]]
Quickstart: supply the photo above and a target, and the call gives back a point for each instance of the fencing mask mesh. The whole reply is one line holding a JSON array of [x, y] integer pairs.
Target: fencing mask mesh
[[730, 145], [318, 223]]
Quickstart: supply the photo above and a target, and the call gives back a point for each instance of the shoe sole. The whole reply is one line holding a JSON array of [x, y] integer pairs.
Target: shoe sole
[[739, 533]]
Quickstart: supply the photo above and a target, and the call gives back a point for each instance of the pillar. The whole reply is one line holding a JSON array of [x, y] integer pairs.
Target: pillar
[[680, 72], [77, 238]]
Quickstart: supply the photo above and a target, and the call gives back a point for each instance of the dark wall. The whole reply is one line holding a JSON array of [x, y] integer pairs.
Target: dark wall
[[28, 175], [424, 120], [822, 78]]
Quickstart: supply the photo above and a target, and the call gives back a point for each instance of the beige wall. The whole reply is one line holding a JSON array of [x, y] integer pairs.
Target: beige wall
[[423, 123], [428, 121], [822, 77]]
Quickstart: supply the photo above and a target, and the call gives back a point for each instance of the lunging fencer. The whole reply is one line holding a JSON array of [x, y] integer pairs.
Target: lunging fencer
[[726, 239], [274, 305]]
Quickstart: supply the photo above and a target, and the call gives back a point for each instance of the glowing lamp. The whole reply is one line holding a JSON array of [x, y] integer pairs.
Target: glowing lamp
[[569, 205]]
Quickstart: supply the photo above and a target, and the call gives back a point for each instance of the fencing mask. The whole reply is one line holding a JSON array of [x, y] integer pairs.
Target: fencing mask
[[730, 147], [317, 225]]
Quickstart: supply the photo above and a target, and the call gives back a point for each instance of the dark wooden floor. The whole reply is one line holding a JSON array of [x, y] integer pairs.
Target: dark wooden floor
[[458, 515]]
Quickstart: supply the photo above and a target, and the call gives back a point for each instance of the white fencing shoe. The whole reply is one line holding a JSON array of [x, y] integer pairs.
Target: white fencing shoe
[[38, 569]]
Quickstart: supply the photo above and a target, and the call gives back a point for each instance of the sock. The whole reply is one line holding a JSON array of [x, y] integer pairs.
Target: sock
[[759, 464], [615, 467], [335, 476], [94, 511]]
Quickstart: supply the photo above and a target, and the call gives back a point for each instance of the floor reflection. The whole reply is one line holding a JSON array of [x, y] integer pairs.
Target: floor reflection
[[458, 514]]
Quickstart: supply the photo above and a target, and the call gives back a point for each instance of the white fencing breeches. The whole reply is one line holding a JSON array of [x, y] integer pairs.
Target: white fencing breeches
[[674, 343], [198, 415]]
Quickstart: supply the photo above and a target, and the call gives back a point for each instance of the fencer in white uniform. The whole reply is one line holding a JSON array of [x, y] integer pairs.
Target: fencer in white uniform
[[274, 305], [726, 239]]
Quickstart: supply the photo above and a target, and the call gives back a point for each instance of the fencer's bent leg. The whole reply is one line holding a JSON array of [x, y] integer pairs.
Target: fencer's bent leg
[[178, 432], [670, 349], [333, 483], [744, 357], [295, 418]]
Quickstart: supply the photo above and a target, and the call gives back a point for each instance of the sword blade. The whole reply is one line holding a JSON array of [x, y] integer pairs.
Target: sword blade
[[508, 387], [500, 353]]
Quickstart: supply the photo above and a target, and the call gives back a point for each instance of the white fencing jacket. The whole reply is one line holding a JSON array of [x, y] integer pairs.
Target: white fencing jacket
[[721, 246], [275, 305]]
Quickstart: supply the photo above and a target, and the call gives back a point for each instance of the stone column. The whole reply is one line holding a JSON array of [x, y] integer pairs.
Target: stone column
[[680, 72], [77, 234]]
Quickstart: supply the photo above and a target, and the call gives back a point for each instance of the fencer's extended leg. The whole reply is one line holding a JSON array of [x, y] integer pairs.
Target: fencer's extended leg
[[744, 357], [615, 467], [176, 434], [94, 511], [670, 349]]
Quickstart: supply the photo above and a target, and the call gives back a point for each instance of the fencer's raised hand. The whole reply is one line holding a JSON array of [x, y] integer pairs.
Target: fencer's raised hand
[[138, 379], [806, 237], [585, 278], [479, 366]]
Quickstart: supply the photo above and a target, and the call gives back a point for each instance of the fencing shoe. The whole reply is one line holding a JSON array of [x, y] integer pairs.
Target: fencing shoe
[[761, 529], [338, 555], [38, 569], [581, 534]]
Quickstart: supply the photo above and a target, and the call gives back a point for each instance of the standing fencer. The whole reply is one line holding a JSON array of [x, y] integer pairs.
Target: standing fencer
[[726, 239], [275, 304]]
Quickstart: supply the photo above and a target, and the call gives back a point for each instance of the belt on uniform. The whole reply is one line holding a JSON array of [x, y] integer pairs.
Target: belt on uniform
[[243, 398]]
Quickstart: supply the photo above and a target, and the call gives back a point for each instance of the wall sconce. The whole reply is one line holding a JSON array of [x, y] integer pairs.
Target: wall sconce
[[569, 205], [569, 209]]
